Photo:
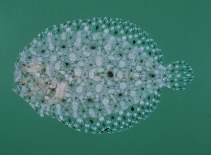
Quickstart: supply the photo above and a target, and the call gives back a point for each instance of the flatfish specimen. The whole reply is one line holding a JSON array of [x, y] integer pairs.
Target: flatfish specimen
[[98, 75]]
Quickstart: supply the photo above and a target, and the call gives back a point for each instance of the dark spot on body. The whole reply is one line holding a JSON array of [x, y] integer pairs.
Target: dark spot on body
[[104, 130], [152, 75], [53, 89], [93, 47], [89, 100], [120, 54], [91, 121], [110, 74], [97, 27], [120, 94]]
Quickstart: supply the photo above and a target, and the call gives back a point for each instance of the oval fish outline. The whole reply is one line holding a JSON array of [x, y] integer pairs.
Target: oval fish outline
[[97, 75]]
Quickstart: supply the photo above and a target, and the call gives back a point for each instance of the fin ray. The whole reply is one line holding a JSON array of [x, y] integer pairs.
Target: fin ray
[[178, 75]]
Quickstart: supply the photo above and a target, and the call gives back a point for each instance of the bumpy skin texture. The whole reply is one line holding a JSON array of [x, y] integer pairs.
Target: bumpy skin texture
[[99, 75]]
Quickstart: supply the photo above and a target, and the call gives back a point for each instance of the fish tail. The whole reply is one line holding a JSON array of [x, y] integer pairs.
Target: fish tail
[[178, 75]]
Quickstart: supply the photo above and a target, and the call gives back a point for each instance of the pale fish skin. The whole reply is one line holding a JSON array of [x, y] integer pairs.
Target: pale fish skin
[[97, 75]]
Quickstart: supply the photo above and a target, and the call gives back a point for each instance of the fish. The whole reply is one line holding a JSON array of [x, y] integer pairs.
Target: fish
[[99, 75]]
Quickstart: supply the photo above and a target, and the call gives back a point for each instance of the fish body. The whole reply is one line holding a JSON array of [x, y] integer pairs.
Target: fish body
[[98, 75]]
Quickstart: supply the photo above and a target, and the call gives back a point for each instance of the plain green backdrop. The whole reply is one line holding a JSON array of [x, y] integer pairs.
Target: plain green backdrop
[[181, 125]]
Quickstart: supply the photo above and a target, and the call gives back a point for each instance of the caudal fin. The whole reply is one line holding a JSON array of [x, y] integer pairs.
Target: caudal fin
[[178, 75]]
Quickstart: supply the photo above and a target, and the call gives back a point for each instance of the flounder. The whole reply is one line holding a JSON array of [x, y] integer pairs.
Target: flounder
[[97, 75]]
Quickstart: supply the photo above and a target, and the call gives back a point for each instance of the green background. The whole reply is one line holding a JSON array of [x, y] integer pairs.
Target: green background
[[181, 125]]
